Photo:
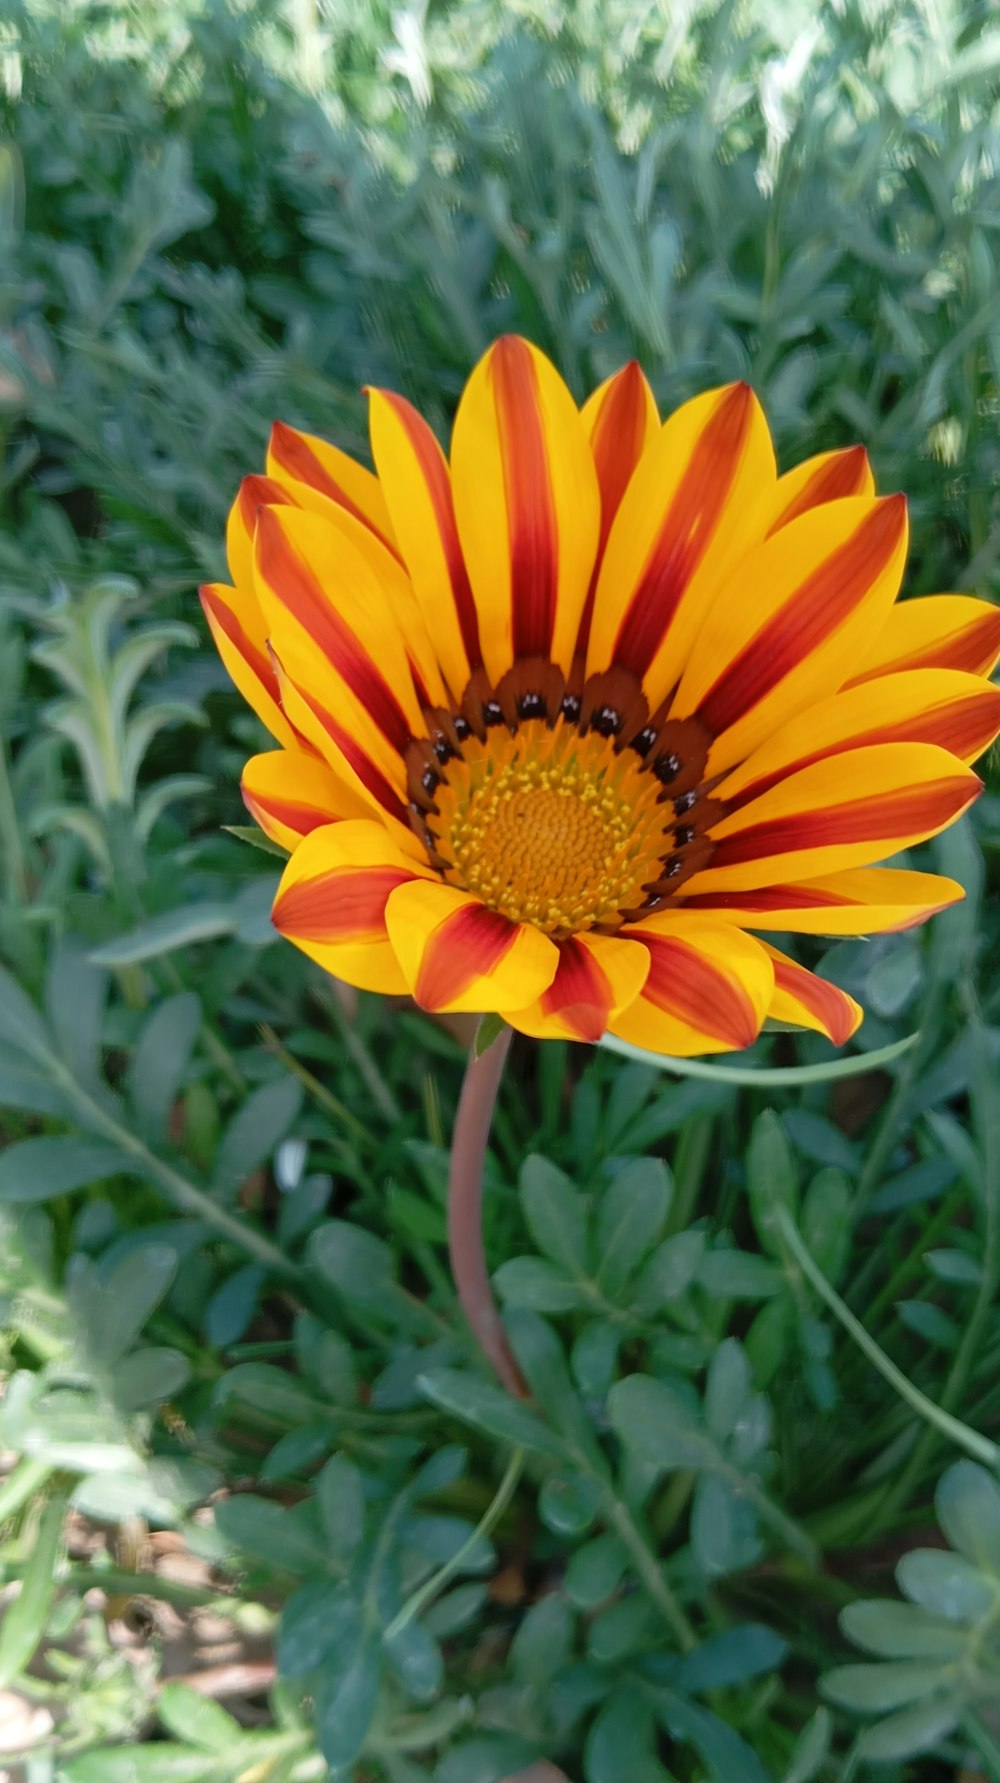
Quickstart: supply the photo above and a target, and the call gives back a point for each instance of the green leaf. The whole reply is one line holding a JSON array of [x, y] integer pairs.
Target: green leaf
[[115, 1311], [321, 1621], [919, 1729], [811, 1749], [724, 1536], [871, 1689], [541, 1646], [738, 1275], [670, 1270], [295, 1454], [159, 1762], [537, 1286], [147, 1377], [555, 1213], [256, 838], [415, 1657], [24, 1621], [232, 1306], [486, 1408], [968, 1508], [160, 1060], [489, 1030], [771, 1180], [354, 1262], [345, 1696], [724, 1753], [197, 1720], [737, 1655], [39, 1169], [269, 1533], [568, 1503], [658, 1425], [826, 1222], [727, 1388], [896, 1630], [74, 994], [167, 932], [630, 1220], [21, 1026], [945, 1584], [595, 1572], [622, 1742], [341, 1500], [255, 1129]]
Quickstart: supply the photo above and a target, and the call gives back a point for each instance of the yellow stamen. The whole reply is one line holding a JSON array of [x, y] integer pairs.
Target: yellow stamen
[[551, 828]]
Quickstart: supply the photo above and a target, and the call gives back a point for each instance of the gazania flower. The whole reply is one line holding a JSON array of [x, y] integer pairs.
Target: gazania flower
[[561, 720]]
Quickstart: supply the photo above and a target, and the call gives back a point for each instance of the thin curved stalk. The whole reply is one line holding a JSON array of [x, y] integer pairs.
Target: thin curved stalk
[[483, 1075]]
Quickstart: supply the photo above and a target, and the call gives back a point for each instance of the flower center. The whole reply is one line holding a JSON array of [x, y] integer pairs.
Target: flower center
[[561, 810]]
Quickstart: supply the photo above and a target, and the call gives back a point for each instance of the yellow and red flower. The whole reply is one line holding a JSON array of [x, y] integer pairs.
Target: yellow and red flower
[[560, 721]]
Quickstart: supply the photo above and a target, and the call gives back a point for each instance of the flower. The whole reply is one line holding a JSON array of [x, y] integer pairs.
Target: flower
[[561, 722]]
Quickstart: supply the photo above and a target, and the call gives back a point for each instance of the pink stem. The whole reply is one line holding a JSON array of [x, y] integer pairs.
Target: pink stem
[[465, 1208]]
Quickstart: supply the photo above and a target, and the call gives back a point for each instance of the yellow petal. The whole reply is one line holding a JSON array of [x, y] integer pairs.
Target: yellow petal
[[294, 457]]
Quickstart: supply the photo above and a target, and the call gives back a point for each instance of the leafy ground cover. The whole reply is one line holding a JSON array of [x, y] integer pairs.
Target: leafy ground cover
[[748, 1530]]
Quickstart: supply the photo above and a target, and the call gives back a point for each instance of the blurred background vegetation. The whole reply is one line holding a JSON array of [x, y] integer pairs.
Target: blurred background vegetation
[[241, 1424]]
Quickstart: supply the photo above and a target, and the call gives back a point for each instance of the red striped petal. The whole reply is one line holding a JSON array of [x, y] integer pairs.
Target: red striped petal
[[469, 944], [325, 468], [686, 531], [353, 756], [816, 609], [300, 592], [622, 419], [832, 476], [803, 998], [533, 532], [401, 460], [685, 983], [581, 994], [881, 817], [346, 905], [936, 631]]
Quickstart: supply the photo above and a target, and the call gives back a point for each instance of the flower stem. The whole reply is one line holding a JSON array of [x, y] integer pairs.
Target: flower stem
[[465, 1208]]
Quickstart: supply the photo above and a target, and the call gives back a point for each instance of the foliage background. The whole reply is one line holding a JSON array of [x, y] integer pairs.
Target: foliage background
[[222, 1277]]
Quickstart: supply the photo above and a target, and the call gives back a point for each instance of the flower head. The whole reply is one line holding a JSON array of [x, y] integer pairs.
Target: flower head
[[562, 720]]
